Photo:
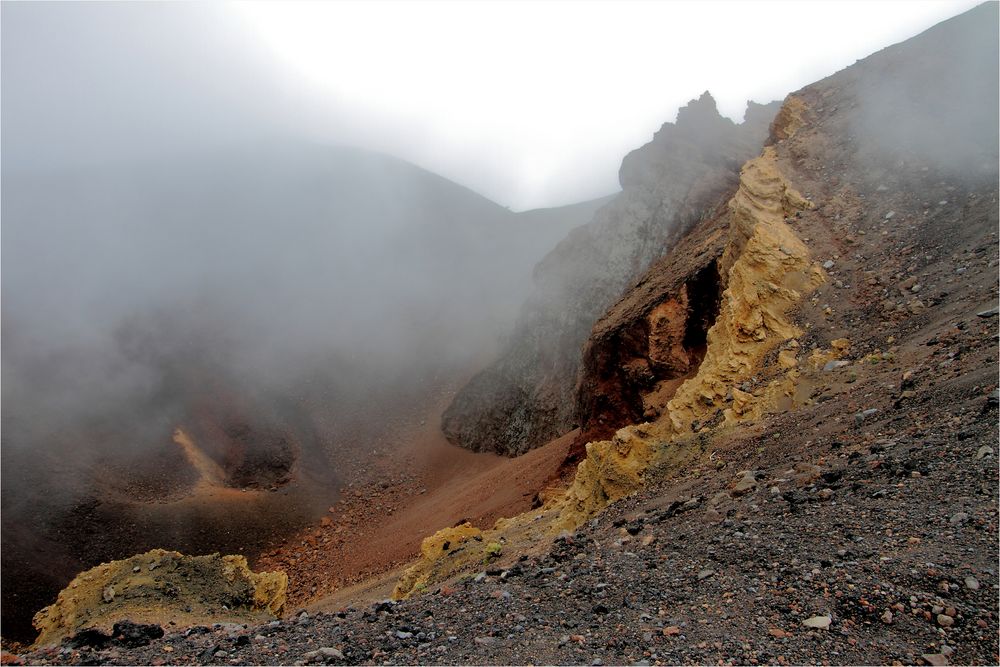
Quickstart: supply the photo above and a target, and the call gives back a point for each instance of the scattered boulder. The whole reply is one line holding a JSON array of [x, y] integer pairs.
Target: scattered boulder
[[322, 656], [945, 621], [746, 483], [818, 622]]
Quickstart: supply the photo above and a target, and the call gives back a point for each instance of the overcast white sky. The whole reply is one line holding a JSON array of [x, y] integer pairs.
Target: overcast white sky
[[535, 103], [528, 103]]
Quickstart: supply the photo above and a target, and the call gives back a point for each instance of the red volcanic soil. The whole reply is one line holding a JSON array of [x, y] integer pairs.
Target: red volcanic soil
[[384, 514]]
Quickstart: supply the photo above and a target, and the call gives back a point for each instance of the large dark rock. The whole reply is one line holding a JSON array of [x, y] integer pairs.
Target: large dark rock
[[134, 635]]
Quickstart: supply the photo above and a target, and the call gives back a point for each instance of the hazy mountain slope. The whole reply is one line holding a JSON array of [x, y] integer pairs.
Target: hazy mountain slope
[[283, 303], [298, 222], [525, 398], [916, 120]]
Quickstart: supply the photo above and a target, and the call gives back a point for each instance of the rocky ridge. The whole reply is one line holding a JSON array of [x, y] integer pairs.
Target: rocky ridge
[[526, 397], [767, 270]]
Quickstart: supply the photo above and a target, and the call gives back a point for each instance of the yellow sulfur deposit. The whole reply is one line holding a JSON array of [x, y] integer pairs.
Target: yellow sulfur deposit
[[161, 586], [766, 270], [443, 554]]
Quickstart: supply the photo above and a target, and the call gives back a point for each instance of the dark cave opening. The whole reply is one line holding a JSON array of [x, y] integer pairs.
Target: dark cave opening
[[704, 292]]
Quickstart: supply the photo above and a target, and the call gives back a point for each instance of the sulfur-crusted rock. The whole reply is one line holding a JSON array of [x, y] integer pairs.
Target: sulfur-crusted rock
[[160, 586], [612, 470], [766, 270], [442, 554]]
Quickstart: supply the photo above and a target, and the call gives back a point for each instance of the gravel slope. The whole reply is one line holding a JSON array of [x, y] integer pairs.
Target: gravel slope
[[889, 532]]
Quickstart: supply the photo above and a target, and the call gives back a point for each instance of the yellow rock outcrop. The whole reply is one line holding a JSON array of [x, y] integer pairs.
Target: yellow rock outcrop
[[160, 586], [790, 118], [442, 553], [612, 470], [766, 270]]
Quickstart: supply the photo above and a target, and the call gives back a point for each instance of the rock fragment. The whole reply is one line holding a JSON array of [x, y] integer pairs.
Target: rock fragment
[[818, 622], [746, 483], [324, 656]]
